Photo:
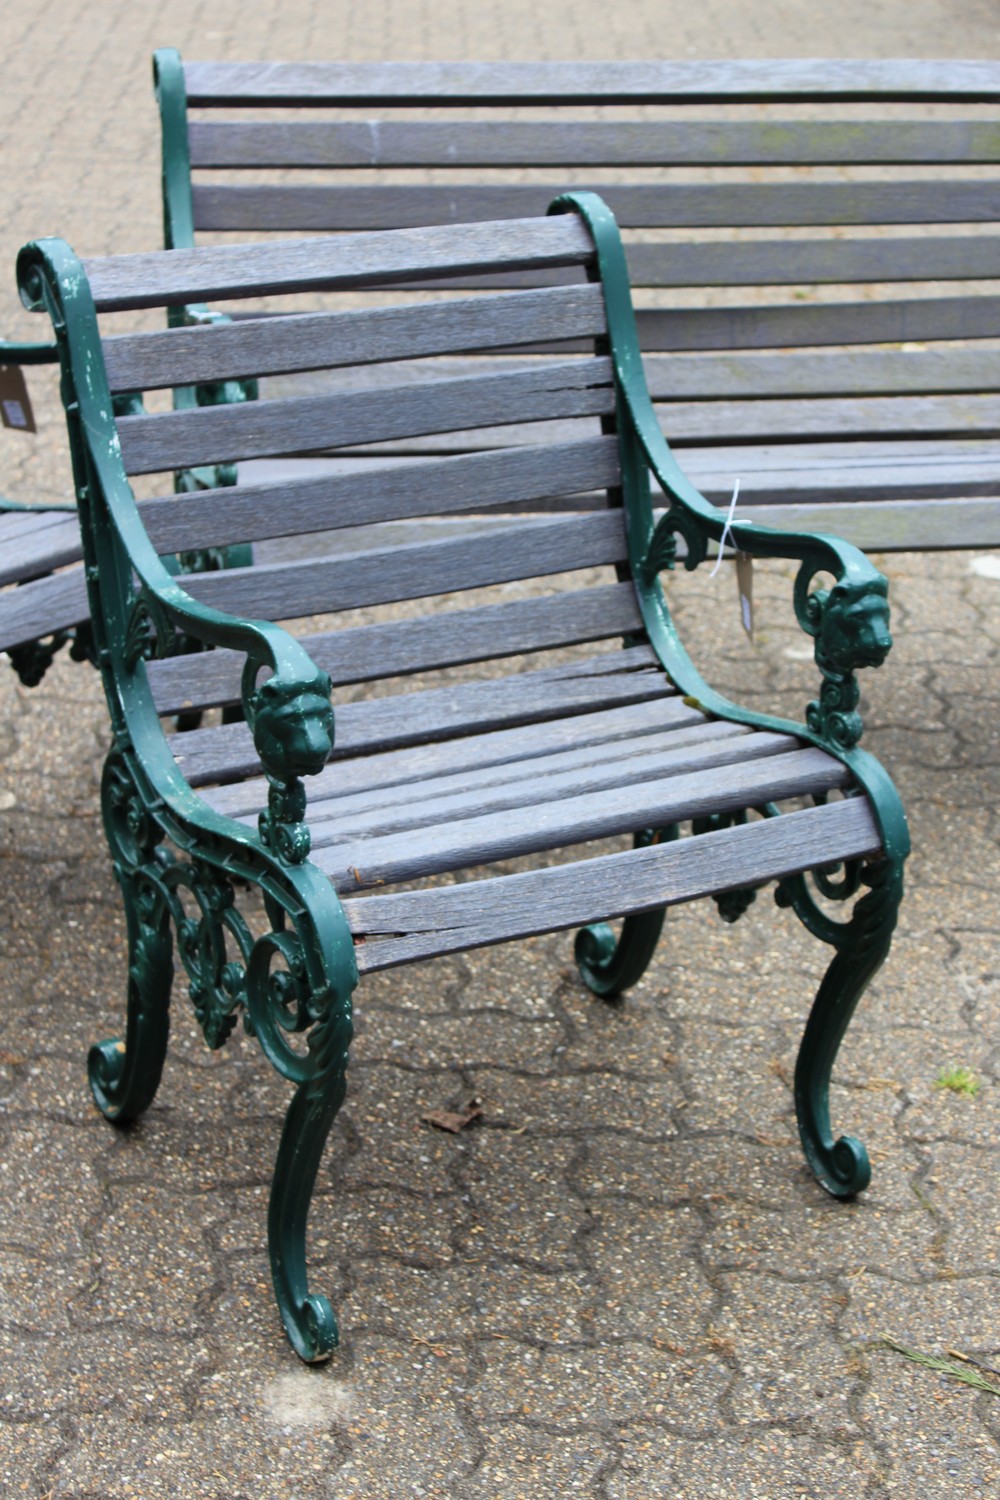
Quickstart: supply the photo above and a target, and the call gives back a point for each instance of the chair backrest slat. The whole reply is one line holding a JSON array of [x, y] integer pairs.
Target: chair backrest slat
[[146, 361], [224, 434]]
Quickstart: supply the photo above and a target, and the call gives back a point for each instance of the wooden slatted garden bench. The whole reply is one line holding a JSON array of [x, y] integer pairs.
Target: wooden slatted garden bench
[[34, 542], [564, 714], [812, 244]]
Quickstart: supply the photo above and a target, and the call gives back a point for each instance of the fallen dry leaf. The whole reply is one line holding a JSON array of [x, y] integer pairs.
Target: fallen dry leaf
[[453, 1120]]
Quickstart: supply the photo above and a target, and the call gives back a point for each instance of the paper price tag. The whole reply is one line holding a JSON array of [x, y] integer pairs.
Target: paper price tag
[[15, 404], [744, 583]]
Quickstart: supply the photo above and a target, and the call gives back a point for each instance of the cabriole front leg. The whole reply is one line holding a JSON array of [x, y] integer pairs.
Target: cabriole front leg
[[124, 1076], [279, 1003], [842, 1165]]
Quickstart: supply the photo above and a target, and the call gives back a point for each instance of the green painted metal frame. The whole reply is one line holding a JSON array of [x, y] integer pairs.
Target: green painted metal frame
[[850, 627], [178, 233], [169, 848], [298, 976]]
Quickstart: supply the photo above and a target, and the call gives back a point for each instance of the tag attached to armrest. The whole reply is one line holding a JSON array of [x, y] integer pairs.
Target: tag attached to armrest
[[744, 585], [15, 403]]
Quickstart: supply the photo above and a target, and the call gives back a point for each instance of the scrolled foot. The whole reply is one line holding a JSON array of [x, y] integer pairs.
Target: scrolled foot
[[106, 1071], [311, 1327], [841, 1166], [609, 965]]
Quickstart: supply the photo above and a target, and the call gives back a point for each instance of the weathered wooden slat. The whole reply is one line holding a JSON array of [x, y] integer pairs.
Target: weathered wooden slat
[[588, 143], [687, 377], [895, 525], [475, 708], [40, 549], [450, 918], [331, 824], [892, 321], [22, 521], [689, 728], [42, 606], [416, 570], [260, 429], [575, 820], [960, 416], [389, 773], [691, 81], [176, 356], [369, 652], [849, 472], [936, 418], [779, 262], [251, 208], [366, 492], [224, 271], [866, 372]]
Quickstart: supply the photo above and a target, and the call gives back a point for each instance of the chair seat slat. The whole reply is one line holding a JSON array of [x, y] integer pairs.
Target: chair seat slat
[[473, 708], [450, 918], [576, 820]]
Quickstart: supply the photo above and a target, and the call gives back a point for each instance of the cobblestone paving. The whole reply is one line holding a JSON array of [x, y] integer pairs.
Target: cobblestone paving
[[621, 1282]]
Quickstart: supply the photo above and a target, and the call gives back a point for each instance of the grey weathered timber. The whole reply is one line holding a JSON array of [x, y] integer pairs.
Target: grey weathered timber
[[432, 811], [397, 648], [590, 143], [681, 206], [34, 540], [845, 217], [701, 82], [394, 772], [145, 361], [895, 198], [227, 752], [234, 271], [452, 917], [366, 492], [561, 713], [40, 606], [532, 548], [218, 434], [575, 820]]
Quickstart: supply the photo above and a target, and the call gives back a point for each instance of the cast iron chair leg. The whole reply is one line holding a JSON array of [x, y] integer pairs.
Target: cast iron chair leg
[[842, 1166], [610, 965], [308, 1317], [124, 1076]]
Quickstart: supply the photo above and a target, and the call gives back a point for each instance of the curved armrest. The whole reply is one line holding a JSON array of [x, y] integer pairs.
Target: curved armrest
[[289, 713], [848, 622]]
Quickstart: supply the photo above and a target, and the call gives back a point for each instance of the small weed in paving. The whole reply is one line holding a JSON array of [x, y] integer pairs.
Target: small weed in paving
[[959, 1081]]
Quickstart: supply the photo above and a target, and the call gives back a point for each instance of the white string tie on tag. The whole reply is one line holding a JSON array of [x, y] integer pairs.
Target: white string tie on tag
[[725, 530]]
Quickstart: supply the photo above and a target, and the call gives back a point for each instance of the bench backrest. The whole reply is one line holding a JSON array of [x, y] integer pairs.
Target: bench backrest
[[811, 245], [394, 348]]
